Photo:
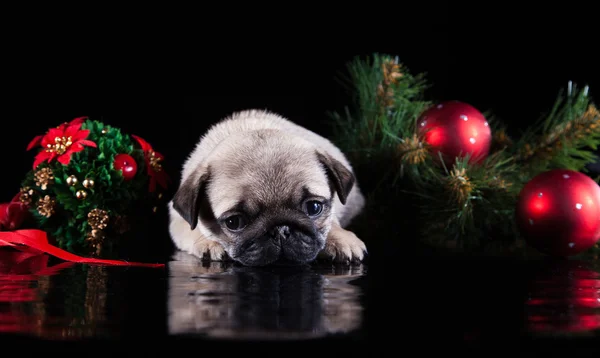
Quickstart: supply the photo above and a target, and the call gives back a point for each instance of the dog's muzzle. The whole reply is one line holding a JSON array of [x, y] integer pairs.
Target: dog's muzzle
[[279, 233]]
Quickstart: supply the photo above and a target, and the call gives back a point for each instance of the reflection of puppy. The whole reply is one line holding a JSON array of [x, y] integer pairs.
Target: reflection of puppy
[[224, 300], [264, 190]]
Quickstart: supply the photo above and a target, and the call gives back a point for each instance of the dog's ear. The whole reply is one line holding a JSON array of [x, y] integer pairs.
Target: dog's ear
[[190, 200], [338, 174]]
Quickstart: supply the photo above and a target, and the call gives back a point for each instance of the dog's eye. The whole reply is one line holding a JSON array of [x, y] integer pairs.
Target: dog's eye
[[313, 208], [235, 223]]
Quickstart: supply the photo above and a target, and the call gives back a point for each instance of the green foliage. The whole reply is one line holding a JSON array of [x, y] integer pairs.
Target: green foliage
[[564, 138], [467, 207], [366, 128], [68, 225]]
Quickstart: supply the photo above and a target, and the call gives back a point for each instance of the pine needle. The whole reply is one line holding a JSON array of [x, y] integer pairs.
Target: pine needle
[[466, 206]]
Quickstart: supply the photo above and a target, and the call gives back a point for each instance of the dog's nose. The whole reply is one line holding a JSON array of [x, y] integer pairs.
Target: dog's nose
[[280, 232]]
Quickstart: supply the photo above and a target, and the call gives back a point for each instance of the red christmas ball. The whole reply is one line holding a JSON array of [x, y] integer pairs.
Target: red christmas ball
[[455, 129], [558, 212], [126, 164]]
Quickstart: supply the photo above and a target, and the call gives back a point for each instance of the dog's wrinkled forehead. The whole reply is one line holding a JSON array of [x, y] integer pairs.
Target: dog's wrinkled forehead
[[266, 169]]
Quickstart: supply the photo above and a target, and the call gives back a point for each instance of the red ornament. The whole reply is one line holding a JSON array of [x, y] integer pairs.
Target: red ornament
[[13, 214], [558, 212], [455, 129], [126, 164]]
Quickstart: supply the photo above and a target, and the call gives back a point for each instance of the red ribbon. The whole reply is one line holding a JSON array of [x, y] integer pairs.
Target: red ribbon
[[38, 240]]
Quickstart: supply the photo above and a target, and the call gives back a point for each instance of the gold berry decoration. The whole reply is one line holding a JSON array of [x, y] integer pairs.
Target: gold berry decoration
[[26, 195], [95, 238], [46, 205], [98, 219], [72, 180], [88, 183], [81, 194], [44, 177]]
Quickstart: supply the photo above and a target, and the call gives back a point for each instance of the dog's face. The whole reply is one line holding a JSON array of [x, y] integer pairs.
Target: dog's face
[[266, 198]]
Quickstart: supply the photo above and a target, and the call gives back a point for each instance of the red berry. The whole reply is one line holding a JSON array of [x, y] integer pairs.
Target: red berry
[[126, 164]]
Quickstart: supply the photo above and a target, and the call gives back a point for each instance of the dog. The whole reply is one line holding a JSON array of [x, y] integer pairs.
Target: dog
[[259, 189]]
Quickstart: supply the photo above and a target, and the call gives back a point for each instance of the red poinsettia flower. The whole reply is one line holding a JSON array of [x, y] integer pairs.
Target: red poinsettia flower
[[153, 165], [61, 142], [37, 140]]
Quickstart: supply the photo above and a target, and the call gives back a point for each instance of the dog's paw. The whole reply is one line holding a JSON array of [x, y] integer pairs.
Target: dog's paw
[[209, 250], [343, 246]]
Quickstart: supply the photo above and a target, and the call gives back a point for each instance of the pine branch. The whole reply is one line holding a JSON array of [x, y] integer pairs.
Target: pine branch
[[467, 207], [565, 138], [386, 100]]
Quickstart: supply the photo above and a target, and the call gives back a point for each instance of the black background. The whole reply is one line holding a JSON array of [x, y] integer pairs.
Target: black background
[[169, 80], [168, 85]]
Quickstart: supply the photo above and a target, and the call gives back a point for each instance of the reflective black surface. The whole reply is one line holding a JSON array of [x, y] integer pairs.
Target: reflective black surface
[[428, 302], [65, 301], [229, 301]]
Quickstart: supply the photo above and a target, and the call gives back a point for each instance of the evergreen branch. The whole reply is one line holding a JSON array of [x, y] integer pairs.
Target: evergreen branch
[[385, 100], [465, 206], [565, 138]]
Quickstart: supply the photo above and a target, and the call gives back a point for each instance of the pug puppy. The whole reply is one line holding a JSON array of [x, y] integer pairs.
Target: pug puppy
[[260, 190]]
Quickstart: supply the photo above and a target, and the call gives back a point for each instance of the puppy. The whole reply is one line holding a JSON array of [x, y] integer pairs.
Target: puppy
[[261, 190]]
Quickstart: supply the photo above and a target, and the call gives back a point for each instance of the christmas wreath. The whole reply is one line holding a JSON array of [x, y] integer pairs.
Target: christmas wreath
[[87, 182], [471, 186]]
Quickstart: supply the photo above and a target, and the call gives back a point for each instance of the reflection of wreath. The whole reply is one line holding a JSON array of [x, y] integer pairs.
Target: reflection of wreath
[[86, 181]]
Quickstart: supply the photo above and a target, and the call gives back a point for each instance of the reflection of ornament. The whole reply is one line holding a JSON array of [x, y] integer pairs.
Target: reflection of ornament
[[455, 129], [97, 219], [558, 212], [72, 180], [95, 238], [97, 283], [45, 206], [88, 183], [44, 177], [19, 275], [570, 287], [126, 164], [81, 194]]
